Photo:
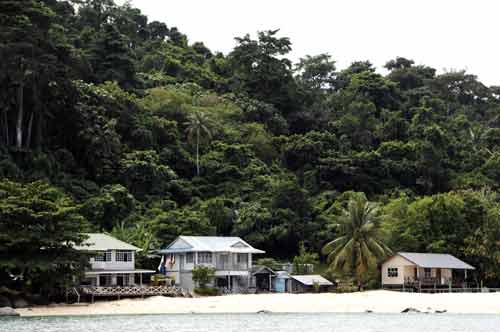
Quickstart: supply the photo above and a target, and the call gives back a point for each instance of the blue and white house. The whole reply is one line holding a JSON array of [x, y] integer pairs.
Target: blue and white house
[[231, 257]]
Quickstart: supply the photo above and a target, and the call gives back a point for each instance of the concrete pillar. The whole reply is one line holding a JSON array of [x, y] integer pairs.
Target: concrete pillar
[[140, 279], [465, 278]]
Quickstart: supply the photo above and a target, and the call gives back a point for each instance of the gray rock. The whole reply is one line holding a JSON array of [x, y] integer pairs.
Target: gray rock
[[410, 310], [4, 301], [19, 302], [263, 312], [8, 311], [440, 311]]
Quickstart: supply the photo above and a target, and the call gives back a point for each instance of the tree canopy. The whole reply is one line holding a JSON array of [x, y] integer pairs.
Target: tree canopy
[[125, 125]]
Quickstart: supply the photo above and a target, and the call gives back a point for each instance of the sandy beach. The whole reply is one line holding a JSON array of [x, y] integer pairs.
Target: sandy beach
[[375, 301]]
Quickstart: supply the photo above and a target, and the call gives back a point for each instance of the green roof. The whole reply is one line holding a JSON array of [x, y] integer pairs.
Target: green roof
[[102, 242]]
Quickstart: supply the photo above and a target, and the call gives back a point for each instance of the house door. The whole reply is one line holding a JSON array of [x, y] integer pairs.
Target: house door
[[415, 273], [438, 275], [223, 262], [120, 281], [181, 262], [103, 280]]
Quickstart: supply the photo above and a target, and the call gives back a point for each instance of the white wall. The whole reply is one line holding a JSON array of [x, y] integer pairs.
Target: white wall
[[113, 265], [183, 266], [405, 269], [181, 272]]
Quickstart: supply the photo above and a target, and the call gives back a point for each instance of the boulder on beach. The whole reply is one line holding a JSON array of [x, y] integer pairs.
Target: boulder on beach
[[264, 312], [8, 311], [410, 310]]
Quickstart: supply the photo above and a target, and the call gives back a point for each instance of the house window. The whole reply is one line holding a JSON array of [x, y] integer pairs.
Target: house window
[[242, 258], [123, 256], [392, 272], [205, 257], [104, 280], [189, 258], [427, 273], [104, 256]]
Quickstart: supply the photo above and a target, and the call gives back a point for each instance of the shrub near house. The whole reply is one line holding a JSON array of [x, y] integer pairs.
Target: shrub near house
[[202, 276]]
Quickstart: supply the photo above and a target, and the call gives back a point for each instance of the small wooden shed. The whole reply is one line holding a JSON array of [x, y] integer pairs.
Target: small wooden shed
[[310, 284]]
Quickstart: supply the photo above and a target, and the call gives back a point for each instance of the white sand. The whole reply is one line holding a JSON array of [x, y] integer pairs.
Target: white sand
[[376, 301]]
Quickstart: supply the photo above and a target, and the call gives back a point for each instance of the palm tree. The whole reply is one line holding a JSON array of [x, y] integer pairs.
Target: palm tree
[[359, 247], [198, 124]]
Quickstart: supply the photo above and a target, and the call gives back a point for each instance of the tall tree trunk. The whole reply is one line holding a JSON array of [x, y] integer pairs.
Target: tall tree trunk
[[6, 127], [20, 115], [35, 110], [198, 151], [38, 130], [28, 134]]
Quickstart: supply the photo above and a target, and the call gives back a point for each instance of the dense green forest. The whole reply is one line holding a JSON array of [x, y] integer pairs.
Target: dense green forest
[[112, 123]]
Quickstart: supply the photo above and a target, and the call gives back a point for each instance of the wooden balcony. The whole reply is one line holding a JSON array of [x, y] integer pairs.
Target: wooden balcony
[[427, 281]]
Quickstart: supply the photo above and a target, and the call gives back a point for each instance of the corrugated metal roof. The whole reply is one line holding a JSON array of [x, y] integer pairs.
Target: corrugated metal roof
[[210, 243], [102, 242], [443, 261], [310, 280], [262, 270]]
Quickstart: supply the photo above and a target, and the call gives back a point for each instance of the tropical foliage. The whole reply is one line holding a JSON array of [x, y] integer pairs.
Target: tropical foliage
[[119, 124], [202, 275], [358, 249]]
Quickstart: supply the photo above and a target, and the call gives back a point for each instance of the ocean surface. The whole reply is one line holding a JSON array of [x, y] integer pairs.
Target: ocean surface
[[369, 322]]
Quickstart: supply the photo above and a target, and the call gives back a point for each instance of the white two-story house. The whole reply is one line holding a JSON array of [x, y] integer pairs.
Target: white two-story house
[[230, 256], [113, 263]]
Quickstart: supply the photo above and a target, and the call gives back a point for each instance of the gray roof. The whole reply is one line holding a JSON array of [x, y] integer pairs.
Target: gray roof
[[210, 243], [443, 261], [134, 271], [262, 270], [310, 280], [102, 242]]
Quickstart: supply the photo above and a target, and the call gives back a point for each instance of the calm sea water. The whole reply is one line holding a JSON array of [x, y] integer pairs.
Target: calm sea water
[[258, 322]]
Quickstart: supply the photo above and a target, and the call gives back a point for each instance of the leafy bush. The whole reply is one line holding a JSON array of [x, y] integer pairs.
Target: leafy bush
[[202, 275], [207, 291]]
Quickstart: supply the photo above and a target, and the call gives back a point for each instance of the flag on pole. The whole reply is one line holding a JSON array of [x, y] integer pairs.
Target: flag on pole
[[161, 267]]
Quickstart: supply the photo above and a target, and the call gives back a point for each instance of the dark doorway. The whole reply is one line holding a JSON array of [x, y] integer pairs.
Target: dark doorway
[[262, 281], [221, 282], [103, 281]]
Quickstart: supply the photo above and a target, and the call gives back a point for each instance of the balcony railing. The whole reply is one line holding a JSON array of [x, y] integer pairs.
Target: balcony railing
[[427, 280], [128, 291], [228, 266]]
